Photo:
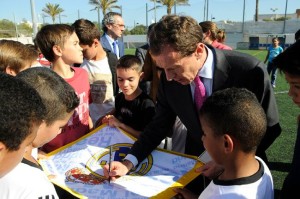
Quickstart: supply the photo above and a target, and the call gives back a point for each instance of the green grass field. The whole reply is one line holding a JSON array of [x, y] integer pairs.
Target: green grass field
[[281, 151]]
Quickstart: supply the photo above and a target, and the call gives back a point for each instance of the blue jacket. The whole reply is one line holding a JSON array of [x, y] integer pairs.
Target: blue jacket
[[105, 44]]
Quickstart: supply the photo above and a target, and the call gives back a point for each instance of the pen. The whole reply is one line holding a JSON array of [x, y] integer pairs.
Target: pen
[[109, 162]]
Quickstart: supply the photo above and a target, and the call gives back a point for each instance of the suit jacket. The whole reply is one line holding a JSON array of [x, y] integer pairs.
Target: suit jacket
[[112, 62], [231, 69], [141, 52], [105, 44]]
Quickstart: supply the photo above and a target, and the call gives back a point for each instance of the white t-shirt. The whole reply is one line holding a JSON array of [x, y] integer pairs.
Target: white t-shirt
[[102, 93], [26, 182], [258, 186]]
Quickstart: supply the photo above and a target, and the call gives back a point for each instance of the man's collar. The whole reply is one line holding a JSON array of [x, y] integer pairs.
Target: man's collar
[[110, 40], [207, 68]]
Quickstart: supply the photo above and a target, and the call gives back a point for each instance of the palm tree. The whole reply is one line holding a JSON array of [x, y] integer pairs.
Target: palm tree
[[170, 3], [52, 10], [104, 5], [256, 10]]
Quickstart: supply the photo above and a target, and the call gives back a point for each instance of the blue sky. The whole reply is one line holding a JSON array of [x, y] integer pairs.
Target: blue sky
[[134, 10]]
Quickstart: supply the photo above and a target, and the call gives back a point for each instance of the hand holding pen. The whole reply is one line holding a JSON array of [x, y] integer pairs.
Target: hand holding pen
[[116, 169]]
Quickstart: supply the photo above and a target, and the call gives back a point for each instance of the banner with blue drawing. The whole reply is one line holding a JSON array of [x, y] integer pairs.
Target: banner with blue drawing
[[77, 167]]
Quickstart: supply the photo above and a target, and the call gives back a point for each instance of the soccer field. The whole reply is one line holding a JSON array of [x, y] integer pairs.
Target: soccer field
[[281, 151]]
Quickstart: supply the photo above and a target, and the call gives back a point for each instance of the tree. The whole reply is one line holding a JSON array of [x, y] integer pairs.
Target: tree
[[104, 5], [138, 30], [7, 28], [256, 10], [170, 3], [52, 10]]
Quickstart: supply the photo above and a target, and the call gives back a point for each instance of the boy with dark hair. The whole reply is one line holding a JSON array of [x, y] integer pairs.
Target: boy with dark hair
[[60, 45], [21, 113], [60, 101], [134, 108], [288, 62], [101, 67], [233, 124]]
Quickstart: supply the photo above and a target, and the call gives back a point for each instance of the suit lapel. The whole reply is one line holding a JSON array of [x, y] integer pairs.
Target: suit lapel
[[121, 48], [106, 44], [221, 67]]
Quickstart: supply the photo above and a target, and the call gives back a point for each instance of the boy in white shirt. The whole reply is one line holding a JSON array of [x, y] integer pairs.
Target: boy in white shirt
[[101, 67], [234, 123]]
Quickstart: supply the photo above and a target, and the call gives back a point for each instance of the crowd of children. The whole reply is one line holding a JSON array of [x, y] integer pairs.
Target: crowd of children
[[60, 103]]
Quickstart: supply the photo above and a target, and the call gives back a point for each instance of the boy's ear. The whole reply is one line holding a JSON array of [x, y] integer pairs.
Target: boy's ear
[[10, 71], [2, 147], [142, 76], [57, 50], [228, 143], [96, 42]]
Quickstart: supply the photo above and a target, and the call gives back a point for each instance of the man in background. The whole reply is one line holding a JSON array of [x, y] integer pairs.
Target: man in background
[[113, 27]]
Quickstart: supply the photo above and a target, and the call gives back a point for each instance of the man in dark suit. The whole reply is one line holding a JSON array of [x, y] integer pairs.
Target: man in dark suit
[[176, 46], [113, 27], [141, 53]]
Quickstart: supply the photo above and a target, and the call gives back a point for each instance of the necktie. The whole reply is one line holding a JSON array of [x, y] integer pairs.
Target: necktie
[[199, 94], [115, 46]]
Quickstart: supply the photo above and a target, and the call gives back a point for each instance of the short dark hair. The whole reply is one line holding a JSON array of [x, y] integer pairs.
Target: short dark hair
[[150, 27], [182, 33], [21, 108], [130, 62], [50, 35], [236, 112], [109, 18], [289, 61], [58, 96], [86, 31]]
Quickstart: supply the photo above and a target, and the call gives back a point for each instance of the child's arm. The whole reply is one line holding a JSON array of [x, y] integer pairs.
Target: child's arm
[[113, 121], [91, 125], [267, 56]]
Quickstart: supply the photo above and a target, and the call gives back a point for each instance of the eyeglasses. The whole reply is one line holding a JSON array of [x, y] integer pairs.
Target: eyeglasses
[[120, 25]]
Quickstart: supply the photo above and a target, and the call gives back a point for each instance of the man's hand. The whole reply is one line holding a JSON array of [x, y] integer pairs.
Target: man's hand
[[117, 169]]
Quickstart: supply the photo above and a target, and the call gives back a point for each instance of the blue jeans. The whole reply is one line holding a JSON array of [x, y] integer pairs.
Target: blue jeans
[[272, 69]]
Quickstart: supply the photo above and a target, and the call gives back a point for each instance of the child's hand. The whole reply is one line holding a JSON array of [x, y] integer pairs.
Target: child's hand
[[105, 119], [42, 155], [210, 170], [184, 193], [112, 121], [52, 177]]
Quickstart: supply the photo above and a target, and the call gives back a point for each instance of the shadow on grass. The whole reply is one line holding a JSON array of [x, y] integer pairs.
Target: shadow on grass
[[279, 166]]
